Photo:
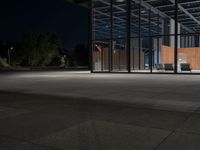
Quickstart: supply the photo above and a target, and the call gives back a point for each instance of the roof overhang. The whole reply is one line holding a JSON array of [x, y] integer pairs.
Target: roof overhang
[[83, 3]]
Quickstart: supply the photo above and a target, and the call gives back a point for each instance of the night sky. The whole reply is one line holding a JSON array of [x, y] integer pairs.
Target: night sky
[[20, 16]]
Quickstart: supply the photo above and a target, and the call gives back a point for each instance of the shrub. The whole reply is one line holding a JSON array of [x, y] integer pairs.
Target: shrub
[[3, 62]]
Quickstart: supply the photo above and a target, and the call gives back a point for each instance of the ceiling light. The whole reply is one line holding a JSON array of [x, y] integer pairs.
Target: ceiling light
[[120, 1]]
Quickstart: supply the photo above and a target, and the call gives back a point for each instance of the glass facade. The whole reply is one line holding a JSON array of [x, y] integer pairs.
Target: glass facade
[[150, 36]]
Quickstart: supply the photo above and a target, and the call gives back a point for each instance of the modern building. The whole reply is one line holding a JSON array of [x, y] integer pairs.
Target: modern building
[[150, 36]]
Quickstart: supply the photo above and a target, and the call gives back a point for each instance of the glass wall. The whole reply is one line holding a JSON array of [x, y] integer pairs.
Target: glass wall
[[101, 37], [119, 55], [119, 35], [158, 36], [188, 58], [100, 56]]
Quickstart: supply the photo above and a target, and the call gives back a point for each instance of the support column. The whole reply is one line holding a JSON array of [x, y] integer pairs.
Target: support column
[[172, 31], [90, 32], [176, 38], [158, 41], [139, 59], [128, 36], [150, 43], [179, 37], [111, 39]]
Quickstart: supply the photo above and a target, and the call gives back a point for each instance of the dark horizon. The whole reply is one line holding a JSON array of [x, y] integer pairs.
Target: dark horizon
[[69, 21]]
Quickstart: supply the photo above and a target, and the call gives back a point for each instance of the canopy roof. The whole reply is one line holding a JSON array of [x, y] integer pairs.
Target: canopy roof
[[188, 15]]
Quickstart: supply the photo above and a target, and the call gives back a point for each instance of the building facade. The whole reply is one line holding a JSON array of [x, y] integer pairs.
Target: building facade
[[146, 36]]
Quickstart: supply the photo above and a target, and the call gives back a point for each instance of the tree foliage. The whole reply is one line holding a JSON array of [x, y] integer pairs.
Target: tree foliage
[[39, 50]]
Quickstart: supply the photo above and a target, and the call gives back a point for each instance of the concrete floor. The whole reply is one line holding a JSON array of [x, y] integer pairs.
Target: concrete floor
[[83, 111]]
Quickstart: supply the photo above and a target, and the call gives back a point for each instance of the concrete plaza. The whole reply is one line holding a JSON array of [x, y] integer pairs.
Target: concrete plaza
[[83, 111]]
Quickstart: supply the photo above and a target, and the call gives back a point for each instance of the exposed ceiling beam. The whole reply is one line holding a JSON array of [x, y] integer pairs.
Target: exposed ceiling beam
[[190, 2], [186, 12]]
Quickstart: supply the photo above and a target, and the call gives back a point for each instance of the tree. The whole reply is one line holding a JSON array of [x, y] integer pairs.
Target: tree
[[27, 54], [48, 45], [40, 49]]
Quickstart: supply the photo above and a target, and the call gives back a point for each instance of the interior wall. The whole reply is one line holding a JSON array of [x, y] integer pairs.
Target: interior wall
[[185, 55], [100, 60], [192, 56], [119, 60], [167, 55]]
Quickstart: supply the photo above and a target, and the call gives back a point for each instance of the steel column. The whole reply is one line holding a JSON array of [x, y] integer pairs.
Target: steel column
[[150, 42], [111, 38], [176, 38], [128, 46], [139, 67], [91, 36]]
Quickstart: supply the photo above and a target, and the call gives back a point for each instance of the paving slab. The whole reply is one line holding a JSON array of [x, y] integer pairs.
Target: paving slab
[[98, 135], [192, 124], [181, 141], [145, 117], [170, 92], [40, 123], [6, 112], [62, 110], [16, 144]]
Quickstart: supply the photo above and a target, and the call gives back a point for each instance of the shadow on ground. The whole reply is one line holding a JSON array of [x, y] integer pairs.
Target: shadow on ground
[[42, 122]]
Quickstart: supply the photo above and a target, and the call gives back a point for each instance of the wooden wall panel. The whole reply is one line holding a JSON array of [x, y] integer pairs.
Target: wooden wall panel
[[192, 56], [135, 60], [142, 61], [115, 61], [119, 60], [105, 59], [123, 60], [96, 57], [101, 58], [167, 55]]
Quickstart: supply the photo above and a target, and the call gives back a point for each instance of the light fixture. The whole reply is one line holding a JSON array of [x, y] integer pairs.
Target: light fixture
[[120, 1]]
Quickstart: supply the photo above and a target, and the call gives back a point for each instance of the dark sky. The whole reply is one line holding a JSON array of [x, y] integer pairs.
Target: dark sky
[[19, 16]]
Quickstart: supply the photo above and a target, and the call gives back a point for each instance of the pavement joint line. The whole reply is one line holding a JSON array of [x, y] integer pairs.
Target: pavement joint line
[[188, 117], [93, 126], [91, 118], [157, 128], [30, 142], [163, 140], [138, 125], [130, 107], [175, 130]]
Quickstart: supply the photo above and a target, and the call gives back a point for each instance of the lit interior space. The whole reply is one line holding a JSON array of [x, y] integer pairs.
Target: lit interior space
[[150, 36]]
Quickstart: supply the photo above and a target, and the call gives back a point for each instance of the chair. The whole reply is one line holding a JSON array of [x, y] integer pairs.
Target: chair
[[185, 67], [169, 67], [159, 66]]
